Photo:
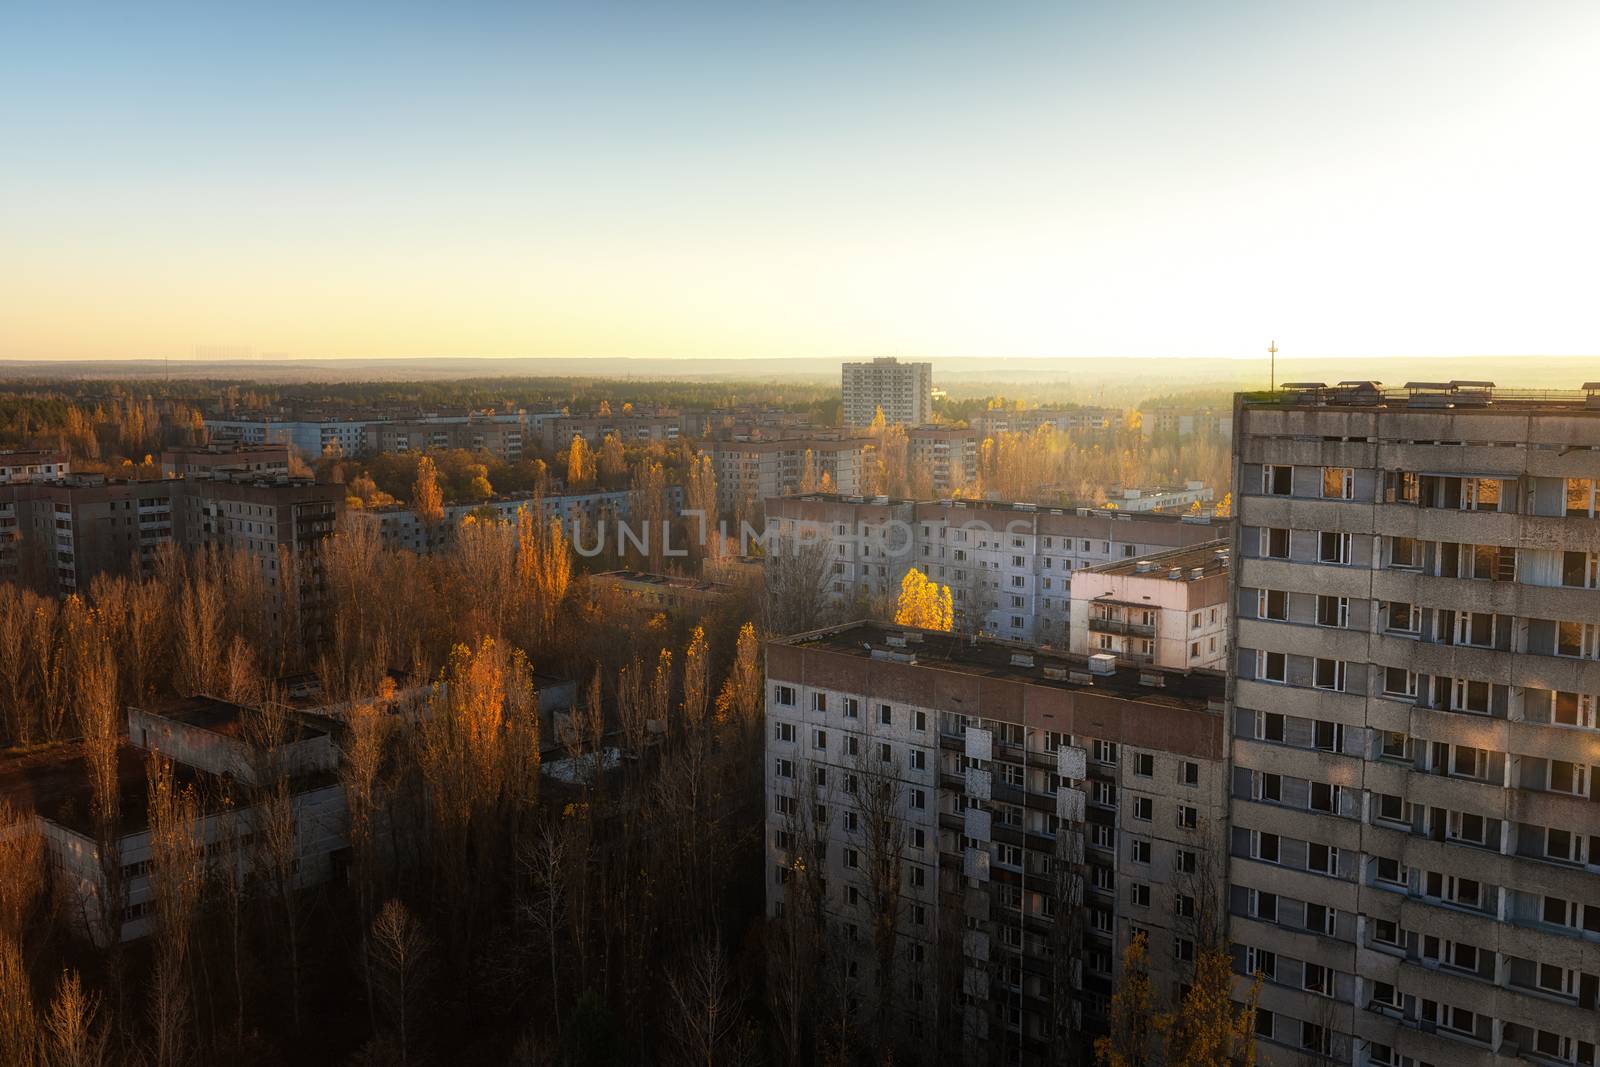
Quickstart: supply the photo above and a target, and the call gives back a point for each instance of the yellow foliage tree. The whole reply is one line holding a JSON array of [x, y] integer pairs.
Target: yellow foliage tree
[[923, 603], [580, 463]]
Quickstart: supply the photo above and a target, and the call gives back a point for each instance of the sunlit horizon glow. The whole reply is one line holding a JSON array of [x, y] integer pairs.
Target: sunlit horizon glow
[[738, 181]]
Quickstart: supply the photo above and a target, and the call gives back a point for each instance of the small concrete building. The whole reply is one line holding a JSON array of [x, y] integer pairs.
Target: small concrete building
[[1169, 609]]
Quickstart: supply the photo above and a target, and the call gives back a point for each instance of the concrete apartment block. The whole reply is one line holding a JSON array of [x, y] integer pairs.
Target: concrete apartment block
[[1053, 807], [1415, 853]]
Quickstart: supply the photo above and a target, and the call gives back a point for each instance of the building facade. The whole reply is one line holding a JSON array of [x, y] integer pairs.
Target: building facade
[[1050, 808], [749, 472], [903, 391], [1415, 854], [1169, 609], [948, 455], [1009, 566]]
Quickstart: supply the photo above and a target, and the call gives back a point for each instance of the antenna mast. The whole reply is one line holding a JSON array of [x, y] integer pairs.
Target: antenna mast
[[1272, 381]]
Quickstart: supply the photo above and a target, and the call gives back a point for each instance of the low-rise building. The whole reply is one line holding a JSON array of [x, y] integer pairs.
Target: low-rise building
[[32, 464], [224, 458], [659, 592], [1160, 497], [399, 526], [989, 423], [1169, 609]]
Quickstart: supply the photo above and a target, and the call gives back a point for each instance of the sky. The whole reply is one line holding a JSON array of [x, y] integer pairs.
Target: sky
[[758, 180]]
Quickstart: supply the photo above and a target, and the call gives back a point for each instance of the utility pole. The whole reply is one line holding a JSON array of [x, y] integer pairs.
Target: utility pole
[[1272, 380]]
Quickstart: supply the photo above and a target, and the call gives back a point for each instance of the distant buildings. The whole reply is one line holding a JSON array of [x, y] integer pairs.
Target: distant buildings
[[995, 421], [70, 529], [1010, 566], [751, 471], [1161, 497], [904, 391], [1049, 807], [1184, 423], [32, 464], [948, 455], [399, 525], [223, 458], [1169, 609]]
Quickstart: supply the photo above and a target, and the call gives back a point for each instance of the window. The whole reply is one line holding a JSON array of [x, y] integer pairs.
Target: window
[[783, 768], [1573, 709], [1580, 497], [1143, 808], [1274, 543], [1314, 1038], [1338, 483], [885, 752], [1139, 851], [1264, 906], [852, 745], [1260, 961], [1328, 736], [819, 739], [1144, 764], [1184, 905], [1321, 919], [1386, 932], [1322, 859], [783, 696], [1277, 480], [1105, 752], [1390, 872], [1188, 817], [1399, 682], [852, 821], [852, 859], [919, 759], [783, 731], [1329, 674], [1392, 808], [1333, 611], [1188, 772], [1404, 618], [885, 715], [1325, 798], [919, 721], [1333, 547], [1265, 1023], [1317, 979], [1272, 604], [1269, 726], [1183, 949], [1272, 667], [1139, 895], [819, 702], [1269, 787], [919, 799], [1264, 846], [1405, 552], [852, 708], [1187, 861]]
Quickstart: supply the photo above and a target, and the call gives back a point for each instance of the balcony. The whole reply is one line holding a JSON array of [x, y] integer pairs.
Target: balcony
[[1118, 626]]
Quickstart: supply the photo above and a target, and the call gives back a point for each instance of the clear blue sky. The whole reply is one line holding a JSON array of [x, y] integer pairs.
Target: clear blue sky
[[762, 179]]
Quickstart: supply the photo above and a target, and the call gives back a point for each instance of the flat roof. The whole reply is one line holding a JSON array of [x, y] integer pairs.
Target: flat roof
[[1470, 396], [226, 718], [992, 658], [54, 782], [1209, 556], [651, 578]]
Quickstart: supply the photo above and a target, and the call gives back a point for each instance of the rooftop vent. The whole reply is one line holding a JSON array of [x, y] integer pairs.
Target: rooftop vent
[[1176, 574], [894, 655], [1080, 677], [913, 637], [880, 500], [1196, 573], [1144, 566], [1022, 659], [1056, 674], [896, 640], [1103, 663], [1154, 679]]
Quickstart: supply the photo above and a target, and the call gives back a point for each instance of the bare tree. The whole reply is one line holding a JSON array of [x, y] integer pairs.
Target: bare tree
[[880, 797], [708, 1022], [797, 577], [177, 872], [401, 956]]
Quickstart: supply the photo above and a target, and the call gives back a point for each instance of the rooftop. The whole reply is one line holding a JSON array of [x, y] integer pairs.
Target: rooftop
[[1427, 396], [227, 719], [1207, 557], [666, 581], [1016, 662], [55, 783]]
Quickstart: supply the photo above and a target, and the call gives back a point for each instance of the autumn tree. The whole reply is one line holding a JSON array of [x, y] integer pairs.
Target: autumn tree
[[426, 499], [400, 956], [924, 603], [580, 463], [1131, 1038]]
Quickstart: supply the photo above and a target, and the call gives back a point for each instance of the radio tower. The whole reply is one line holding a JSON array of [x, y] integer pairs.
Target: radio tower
[[1272, 380]]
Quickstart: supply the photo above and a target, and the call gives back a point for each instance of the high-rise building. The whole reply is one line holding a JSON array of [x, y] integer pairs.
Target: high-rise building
[[1023, 814], [903, 390], [1415, 854]]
